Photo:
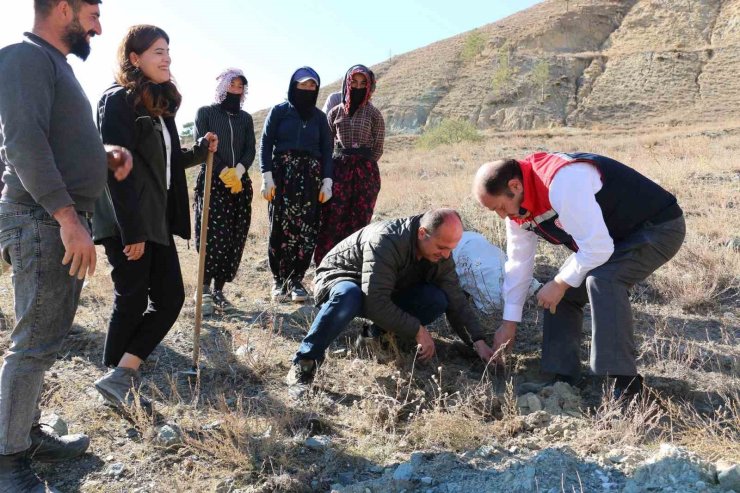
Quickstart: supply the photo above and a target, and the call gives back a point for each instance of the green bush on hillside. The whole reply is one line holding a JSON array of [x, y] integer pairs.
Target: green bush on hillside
[[474, 44], [541, 76], [503, 75], [449, 132]]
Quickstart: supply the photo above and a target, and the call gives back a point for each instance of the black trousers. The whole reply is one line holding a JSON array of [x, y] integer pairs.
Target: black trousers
[[149, 295]]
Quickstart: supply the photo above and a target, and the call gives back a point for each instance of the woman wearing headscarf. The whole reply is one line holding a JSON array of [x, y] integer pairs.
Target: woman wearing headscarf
[[231, 190], [136, 218], [358, 130], [296, 168]]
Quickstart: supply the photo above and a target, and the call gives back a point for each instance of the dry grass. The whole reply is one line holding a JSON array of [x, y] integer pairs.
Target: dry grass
[[238, 423], [715, 436]]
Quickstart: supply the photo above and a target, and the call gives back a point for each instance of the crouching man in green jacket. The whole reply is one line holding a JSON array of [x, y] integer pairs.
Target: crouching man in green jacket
[[400, 275]]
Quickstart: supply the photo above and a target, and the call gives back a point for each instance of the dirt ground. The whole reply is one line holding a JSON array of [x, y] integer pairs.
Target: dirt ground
[[237, 430]]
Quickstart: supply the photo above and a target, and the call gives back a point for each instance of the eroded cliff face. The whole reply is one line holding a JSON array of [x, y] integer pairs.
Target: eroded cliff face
[[630, 63], [621, 63]]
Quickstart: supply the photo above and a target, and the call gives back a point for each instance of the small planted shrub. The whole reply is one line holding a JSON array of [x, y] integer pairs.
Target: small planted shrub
[[449, 132]]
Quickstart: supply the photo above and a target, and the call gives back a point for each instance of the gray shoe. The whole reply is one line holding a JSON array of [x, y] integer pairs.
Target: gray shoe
[[207, 306], [117, 388], [300, 377], [297, 292], [47, 446]]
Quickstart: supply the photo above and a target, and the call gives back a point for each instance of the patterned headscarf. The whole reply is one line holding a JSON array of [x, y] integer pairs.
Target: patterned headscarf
[[224, 79], [347, 84]]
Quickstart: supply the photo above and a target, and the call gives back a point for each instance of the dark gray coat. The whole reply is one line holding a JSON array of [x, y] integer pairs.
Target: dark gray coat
[[381, 259]]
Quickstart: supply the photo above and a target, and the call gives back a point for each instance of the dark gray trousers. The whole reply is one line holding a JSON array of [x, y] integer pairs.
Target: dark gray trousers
[[45, 299], [606, 288]]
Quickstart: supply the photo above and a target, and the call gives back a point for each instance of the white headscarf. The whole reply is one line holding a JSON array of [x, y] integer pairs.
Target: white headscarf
[[224, 79]]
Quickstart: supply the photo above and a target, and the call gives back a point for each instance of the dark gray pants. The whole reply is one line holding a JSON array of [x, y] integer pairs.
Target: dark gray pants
[[606, 288], [46, 299]]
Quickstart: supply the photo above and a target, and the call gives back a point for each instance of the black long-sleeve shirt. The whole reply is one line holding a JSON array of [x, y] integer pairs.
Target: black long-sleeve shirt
[[236, 142]]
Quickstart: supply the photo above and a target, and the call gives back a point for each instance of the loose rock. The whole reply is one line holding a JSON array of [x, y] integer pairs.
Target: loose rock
[[318, 442], [168, 436], [728, 475], [404, 472], [115, 470], [670, 466], [57, 424]]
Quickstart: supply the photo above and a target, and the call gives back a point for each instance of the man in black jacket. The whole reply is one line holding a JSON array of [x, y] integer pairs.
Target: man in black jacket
[[400, 275]]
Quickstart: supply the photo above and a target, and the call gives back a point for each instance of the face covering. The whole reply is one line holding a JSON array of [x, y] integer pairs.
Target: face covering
[[232, 102], [304, 101], [356, 98]]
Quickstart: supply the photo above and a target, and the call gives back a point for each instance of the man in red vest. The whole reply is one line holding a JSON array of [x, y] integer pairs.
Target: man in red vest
[[620, 226]]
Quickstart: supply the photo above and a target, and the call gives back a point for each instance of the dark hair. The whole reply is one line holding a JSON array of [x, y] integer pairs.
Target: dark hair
[[43, 8], [433, 219], [165, 99], [497, 182]]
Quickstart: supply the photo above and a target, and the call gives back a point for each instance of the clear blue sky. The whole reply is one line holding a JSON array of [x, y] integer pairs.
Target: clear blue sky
[[268, 39]]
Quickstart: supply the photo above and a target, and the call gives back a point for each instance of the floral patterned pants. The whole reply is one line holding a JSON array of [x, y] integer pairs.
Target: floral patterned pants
[[228, 225], [355, 191], [294, 215]]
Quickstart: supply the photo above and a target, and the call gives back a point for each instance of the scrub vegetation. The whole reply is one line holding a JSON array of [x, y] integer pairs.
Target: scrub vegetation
[[238, 429]]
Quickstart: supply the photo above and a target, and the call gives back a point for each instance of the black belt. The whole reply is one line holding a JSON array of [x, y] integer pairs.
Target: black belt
[[365, 152]]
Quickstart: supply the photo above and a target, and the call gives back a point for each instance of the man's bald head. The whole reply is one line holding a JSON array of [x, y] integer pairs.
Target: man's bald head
[[498, 187], [440, 230], [433, 219], [493, 178]]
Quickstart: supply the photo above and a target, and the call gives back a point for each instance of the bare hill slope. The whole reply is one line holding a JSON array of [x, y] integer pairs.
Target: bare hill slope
[[601, 62]]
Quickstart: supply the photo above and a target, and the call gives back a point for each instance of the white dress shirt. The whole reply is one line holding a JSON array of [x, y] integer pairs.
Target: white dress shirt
[[572, 195]]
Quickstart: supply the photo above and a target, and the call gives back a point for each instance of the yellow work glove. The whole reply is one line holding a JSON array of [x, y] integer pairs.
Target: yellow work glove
[[325, 192], [239, 171], [229, 177]]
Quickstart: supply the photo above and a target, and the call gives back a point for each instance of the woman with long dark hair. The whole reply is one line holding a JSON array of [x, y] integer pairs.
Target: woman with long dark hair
[[136, 218], [358, 130], [231, 193], [296, 176]]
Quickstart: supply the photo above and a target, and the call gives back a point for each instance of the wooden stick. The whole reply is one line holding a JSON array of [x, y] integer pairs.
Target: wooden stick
[[202, 260]]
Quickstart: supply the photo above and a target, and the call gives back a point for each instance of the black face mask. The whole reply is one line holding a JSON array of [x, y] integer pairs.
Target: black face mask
[[232, 102], [356, 98], [304, 101]]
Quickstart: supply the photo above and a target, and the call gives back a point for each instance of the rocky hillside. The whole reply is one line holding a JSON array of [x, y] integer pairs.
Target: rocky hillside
[[581, 63]]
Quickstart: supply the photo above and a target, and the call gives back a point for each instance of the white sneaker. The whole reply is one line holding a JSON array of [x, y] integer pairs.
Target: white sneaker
[[298, 292]]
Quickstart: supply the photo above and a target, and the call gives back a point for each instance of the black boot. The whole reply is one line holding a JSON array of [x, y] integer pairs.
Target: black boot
[[16, 475], [300, 377], [47, 446], [627, 387]]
